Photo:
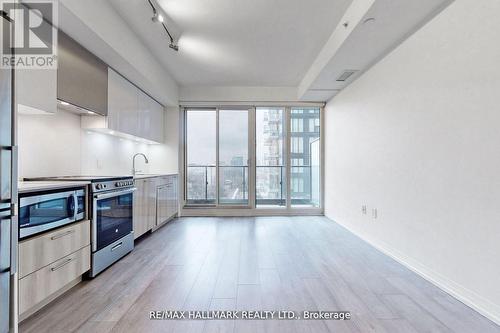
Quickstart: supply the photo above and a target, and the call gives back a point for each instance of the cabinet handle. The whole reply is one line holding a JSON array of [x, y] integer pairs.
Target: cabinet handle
[[67, 261], [69, 232]]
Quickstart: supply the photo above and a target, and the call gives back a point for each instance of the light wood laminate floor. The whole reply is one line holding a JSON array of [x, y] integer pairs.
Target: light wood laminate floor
[[265, 263]]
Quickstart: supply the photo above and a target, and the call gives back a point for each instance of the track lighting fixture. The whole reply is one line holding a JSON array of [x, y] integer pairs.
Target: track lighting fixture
[[174, 46], [158, 18]]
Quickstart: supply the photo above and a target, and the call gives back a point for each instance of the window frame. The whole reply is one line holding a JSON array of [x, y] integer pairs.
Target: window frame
[[251, 209]]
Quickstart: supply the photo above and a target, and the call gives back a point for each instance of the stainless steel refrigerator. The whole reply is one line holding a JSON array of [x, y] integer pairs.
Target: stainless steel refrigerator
[[8, 195]]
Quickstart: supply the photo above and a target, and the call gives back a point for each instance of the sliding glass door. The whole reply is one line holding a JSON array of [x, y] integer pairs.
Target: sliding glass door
[[201, 156], [305, 157], [233, 157], [270, 157], [217, 157]]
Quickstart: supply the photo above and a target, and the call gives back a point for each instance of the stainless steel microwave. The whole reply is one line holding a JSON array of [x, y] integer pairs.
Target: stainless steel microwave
[[42, 212]]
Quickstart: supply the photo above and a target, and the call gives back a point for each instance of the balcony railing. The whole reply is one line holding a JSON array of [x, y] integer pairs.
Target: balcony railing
[[270, 185], [200, 185]]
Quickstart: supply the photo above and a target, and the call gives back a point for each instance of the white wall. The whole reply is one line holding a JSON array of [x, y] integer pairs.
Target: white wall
[[53, 145], [418, 138], [49, 145]]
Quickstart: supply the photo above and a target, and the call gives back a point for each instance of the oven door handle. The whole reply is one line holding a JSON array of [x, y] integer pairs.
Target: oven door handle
[[114, 194]]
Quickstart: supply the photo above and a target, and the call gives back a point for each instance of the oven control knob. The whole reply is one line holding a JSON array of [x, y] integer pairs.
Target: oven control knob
[[98, 186], [118, 184]]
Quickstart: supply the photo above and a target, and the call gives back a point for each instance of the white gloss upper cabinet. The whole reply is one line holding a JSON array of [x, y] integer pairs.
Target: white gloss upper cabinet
[[131, 111], [115, 102], [157, 129], [123, 106], [151, 118], [36, 91], [144, 115]]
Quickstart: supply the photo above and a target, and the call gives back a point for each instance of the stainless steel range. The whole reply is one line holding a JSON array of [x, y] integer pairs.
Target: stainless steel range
[[111, 202]]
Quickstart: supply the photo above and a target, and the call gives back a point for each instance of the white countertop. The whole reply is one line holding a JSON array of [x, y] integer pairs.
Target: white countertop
[[35, 186], [153, 175]]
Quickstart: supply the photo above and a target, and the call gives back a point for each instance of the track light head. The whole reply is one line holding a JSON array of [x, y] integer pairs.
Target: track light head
[[174, 46], [157, 18]]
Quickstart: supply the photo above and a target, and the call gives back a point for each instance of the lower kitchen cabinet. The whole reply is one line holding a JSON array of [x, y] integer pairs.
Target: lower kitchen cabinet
[[38, 287], [50, 263], [162, 205], [48, 247], [155, 203], [166, 199], [144, 206]]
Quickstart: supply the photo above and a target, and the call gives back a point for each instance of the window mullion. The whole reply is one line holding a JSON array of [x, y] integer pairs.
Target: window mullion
[[217, 158], [287, 157]]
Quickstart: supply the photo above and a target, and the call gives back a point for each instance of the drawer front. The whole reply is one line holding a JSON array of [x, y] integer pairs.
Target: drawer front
[[39, 285], [166, 180], [42, 250], [161, 181], [172, 180]]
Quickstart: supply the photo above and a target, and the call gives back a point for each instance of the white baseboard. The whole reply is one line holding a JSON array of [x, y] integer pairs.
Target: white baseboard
[[470, 298]]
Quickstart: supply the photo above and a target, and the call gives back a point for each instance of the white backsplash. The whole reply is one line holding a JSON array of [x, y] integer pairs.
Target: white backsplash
[[53, 145]]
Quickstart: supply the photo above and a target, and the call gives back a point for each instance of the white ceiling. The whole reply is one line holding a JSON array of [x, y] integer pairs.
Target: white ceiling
[[378, 28], [237, 42]]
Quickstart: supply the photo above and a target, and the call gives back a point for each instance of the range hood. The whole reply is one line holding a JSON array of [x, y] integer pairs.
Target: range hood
[[82, 78]]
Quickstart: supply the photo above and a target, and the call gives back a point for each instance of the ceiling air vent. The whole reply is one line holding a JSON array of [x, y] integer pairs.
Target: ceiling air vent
[[346, 75]]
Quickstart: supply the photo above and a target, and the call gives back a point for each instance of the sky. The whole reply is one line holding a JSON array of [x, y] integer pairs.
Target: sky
[[201, 136], [233, 136]]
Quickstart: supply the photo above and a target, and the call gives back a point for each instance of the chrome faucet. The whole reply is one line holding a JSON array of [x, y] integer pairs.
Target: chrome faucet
[[134, 171]]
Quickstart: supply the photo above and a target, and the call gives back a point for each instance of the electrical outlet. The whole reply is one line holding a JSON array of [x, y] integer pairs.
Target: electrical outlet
[[363, 209], [374, 213]]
